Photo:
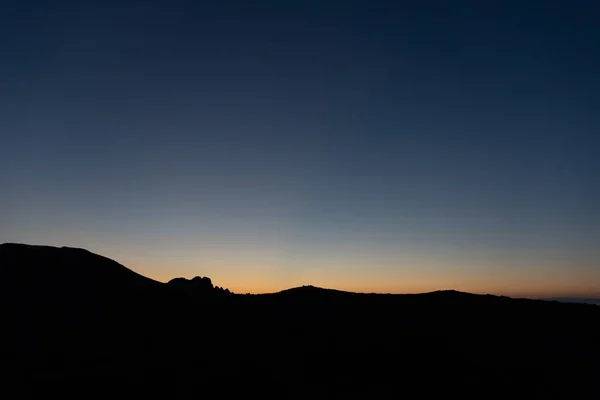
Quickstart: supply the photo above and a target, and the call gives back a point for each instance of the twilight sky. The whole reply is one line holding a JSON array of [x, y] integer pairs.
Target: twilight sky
[[371, 146]]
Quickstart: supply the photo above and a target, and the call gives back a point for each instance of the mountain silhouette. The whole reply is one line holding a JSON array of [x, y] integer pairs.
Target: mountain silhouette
[[575, 300], [198, 286], [69, 315], [27, 266]]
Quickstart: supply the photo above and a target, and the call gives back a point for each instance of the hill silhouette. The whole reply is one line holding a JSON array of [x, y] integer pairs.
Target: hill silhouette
[[68, 267], [575, 300], [73, 316]]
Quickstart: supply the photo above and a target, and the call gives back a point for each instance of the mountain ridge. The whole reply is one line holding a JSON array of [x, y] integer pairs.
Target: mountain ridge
[[195, 283], [72, 316], [198, 283]]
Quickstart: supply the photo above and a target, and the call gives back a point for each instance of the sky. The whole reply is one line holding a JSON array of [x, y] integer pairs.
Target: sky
[[397, 147]]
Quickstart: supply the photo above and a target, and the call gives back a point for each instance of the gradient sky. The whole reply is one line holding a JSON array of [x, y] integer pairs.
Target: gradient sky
[[370, 146]]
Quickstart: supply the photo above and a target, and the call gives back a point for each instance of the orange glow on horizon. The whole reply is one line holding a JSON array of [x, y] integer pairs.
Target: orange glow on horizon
[[265, 273], [542, 289]]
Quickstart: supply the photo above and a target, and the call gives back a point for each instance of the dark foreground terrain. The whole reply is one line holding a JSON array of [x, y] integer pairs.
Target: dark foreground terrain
[[80, 325]]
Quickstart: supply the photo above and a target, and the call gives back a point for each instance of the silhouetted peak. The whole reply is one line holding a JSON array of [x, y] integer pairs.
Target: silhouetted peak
[[450, 292], [197, 285], [65, 267], [202, 280], [312, 291], [303, 288], [198, 282]]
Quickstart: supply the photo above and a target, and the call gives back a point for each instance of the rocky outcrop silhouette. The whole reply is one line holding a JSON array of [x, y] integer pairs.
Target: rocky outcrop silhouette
[[197, 283], [197, 286]]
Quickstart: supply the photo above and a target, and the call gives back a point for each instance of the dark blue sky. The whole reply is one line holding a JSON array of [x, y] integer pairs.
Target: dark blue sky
[[385, 146]]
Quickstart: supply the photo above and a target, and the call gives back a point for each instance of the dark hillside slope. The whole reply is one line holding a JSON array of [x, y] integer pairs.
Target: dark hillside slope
[[67, 306], [76, 270]]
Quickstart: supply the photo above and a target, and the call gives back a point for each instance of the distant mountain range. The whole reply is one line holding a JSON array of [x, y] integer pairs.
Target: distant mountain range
[[574, 300], [69, 316], [45, 266]]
